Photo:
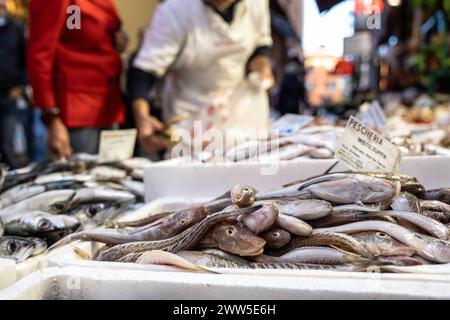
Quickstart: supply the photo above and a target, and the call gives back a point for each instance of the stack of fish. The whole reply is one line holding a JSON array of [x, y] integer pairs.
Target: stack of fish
[[336, 221], [42, 203]]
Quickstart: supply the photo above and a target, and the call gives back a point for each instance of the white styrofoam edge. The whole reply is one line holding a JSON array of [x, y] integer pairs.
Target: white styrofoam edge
[[7, 273], [10, 271], [213, 179], [105, 283]]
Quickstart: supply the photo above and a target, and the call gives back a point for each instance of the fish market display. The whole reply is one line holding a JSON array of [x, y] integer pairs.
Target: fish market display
[[337, 221], [43, 203]]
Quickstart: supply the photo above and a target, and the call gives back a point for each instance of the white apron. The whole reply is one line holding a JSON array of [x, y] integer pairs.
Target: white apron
[[204, 59]]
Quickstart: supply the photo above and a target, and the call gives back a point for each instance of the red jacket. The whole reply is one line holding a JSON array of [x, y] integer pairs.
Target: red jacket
[[77, 71]]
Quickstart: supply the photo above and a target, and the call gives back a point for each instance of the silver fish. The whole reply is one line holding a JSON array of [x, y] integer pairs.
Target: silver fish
[[53, 202], [322, 255], [101, 194], [432, 226], [20, 249], [431, 249], [20, 193], [211, 261], [39, 224]]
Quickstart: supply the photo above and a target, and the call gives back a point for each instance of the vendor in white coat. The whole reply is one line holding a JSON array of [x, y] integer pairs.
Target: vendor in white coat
[[205, 50]]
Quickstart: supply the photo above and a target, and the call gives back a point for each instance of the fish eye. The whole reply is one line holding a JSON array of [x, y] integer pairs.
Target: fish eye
[[230, 231], [44, 224], [12, 247], [382, 235], [92, 211], [183, 221], [59, 206]]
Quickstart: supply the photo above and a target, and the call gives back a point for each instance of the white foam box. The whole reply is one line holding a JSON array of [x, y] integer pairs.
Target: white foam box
[[156, 282], [194, 180], [7, 273], [78, 282], [10, 271]]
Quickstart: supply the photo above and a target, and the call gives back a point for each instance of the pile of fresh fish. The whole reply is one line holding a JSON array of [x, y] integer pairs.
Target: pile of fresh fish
[[336, 221], [43, 203]]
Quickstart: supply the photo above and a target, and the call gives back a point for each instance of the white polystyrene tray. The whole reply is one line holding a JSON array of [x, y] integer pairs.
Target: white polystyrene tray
[[7, 273], [105, 283], [211, 180], [10, 271]]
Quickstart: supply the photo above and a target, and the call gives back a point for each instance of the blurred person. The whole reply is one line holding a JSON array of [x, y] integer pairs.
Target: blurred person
[[13, 144], [75, 72], [204, 51]]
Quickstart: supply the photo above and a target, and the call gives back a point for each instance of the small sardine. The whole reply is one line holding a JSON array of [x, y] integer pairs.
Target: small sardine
[[53, 202], [101, 194], [211, 261], [39, 224], [20, 249], [431, 249], [321, 255], [19, 193], [432, 226]]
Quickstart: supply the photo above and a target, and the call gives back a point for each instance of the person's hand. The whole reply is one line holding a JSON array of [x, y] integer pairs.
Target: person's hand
[[16, 93], [58, 138], [121, 41], [261, 67], [147, 127]]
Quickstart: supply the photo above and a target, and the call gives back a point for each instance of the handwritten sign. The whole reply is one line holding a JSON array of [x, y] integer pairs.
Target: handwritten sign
[[117, 145], [365, 150]]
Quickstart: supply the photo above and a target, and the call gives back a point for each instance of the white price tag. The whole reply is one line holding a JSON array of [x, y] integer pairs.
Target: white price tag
[[364, 150], [117, 145]]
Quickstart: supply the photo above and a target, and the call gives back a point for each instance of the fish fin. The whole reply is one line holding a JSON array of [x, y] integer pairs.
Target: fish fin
[[81, 254], [351, 255], [331, 168]]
